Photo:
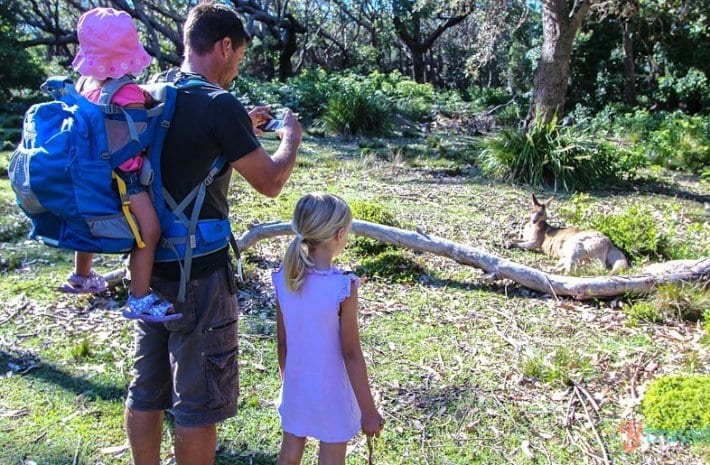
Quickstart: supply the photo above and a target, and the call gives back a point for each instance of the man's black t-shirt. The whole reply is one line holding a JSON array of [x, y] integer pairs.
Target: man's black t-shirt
[[208, 121]]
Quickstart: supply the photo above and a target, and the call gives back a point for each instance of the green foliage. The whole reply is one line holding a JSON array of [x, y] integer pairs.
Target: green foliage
[[82, 349], [673, 140], [643, 310], [674, 90], [412, 100], [19, 69], [252, 91], [374, 213], [688, 302], [484, 97], [308, 93], [562, 366], [634, 231], [356, 110], [548, 155], [678, 403], [391, 265], [639, 232], [351, 104]]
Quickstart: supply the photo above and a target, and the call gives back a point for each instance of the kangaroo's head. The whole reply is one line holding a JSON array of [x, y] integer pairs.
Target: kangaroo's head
[[539, 210]]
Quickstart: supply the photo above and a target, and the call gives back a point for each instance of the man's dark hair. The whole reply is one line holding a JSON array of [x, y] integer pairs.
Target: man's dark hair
[[209, 22]]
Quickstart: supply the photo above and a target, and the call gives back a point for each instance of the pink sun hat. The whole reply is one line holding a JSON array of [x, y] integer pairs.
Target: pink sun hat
[[108, 45]]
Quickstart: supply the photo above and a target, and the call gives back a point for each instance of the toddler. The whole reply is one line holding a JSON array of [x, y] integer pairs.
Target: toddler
[[109, 48]]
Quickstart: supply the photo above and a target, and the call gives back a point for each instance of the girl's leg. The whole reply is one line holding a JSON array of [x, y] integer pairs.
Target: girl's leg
[[291, 449], [331, 453], [82, 263], [141, 261]]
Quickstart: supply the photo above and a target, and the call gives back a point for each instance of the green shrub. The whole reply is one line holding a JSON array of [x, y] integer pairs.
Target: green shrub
[[643, 310], [562, 366], [308, 93], [692, 89], [253, 91], [688, 302], [678, 403], [391, 265], [356, 110], [634, 231], [484, 97], [672, 140], [12, 120], [374, 213], [412, 100], [548, 155]]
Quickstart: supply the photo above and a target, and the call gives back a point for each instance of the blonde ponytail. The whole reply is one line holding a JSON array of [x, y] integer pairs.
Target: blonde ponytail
[[317, 218]]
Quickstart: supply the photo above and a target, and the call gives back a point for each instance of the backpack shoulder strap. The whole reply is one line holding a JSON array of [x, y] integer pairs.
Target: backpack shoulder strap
[[111, 87]]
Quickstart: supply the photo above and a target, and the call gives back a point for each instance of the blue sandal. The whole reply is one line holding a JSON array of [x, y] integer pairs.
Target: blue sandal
[[150, 308]]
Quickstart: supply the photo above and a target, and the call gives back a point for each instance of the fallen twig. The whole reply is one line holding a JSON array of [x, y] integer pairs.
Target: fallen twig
[[605, 455]]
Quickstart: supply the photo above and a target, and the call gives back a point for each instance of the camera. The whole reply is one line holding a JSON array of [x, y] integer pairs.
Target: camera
[[272, 125]]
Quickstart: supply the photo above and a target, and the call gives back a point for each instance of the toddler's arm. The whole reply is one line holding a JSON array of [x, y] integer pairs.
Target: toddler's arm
[[371, 420]]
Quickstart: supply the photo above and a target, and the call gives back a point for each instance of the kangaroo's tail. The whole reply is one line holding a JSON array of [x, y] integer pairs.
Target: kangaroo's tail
[[616, 259]]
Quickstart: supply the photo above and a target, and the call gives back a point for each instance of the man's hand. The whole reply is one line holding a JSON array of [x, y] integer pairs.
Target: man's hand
[[291, 129], [259, 115]]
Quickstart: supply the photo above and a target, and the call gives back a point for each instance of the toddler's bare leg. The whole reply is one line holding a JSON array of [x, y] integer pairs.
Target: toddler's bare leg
[[82, 263], [141, 261]]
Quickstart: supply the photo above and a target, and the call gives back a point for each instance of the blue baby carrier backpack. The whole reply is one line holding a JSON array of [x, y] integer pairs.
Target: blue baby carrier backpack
[[63, 175]]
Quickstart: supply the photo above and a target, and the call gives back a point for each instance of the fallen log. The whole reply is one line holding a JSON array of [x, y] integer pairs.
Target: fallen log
[[577, 287], [496, 267]]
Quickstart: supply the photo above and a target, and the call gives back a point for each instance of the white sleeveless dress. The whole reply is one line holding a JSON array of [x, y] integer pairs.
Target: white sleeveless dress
[[316, 397]]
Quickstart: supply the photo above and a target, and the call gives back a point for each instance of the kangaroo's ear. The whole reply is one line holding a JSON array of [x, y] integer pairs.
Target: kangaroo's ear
[[535, 202], [546, 203]]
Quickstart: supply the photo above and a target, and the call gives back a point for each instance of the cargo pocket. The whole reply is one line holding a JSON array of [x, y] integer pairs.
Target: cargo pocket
[[222, 371]]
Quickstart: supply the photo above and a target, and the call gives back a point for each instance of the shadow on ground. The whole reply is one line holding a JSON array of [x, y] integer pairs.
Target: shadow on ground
[[37, 369]]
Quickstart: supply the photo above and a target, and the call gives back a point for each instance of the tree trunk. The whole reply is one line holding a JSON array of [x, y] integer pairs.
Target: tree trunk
[[559, 28], [629, 68], [418, 73], [409, 30]]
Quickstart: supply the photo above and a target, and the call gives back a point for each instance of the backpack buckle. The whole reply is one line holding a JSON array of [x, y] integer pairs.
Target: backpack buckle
[[208, 180]]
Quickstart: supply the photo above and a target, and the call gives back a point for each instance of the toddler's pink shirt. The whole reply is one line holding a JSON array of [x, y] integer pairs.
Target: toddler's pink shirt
[[126, 95]]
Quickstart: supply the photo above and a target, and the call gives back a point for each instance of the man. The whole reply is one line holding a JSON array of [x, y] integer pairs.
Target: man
[[190, 365]]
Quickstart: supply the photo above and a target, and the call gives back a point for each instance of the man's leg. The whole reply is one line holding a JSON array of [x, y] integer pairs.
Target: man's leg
[[195, 445], [144, 430]]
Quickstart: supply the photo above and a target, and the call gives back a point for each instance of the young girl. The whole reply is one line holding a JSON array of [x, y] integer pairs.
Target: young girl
[[325, 392], [109, 49]]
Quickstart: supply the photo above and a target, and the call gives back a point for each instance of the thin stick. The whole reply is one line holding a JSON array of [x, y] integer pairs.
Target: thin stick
[[594, 428], [76, 454]]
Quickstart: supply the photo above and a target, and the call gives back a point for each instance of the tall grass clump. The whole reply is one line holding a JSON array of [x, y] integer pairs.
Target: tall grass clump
[[358, 110], [548, 155]]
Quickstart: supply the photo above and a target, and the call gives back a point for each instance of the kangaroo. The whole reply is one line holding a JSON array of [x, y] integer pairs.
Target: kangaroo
[[571, 245]]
